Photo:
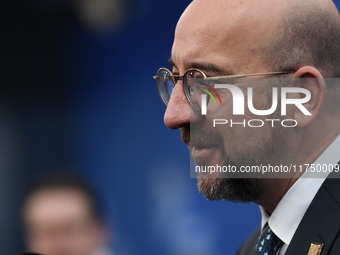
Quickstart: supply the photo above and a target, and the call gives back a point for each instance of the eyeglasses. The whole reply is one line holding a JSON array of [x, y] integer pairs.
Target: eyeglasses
[[166, 82]]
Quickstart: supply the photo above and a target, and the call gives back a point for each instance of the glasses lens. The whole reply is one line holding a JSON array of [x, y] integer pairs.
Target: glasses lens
[[165, 85], [194, 87]]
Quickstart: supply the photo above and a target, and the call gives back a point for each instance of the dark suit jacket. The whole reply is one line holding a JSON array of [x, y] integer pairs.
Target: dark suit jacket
[[320, 224]]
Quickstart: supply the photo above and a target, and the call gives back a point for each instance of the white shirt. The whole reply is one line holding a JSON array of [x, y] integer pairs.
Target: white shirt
[[292, 207]]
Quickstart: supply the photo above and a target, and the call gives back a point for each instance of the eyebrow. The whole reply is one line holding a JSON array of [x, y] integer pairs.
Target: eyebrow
[[204, 66], [172, 63]]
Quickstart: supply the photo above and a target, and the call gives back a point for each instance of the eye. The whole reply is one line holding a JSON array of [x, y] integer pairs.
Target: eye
[[195, 75], [192, 92]]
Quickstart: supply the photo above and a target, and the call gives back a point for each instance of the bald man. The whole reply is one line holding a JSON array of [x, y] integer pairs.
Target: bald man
[[290, 50]]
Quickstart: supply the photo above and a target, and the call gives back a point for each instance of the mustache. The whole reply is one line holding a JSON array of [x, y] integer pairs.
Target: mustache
[[185, 133], [198, 135]]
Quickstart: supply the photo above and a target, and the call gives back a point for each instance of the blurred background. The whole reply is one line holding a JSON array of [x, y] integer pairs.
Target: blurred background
[[77, 94]]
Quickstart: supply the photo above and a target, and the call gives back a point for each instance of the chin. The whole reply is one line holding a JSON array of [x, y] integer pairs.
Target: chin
[[232, 189], [210, 187]]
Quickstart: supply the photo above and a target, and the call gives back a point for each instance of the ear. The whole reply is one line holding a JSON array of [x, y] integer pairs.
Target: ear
[[312, 80]]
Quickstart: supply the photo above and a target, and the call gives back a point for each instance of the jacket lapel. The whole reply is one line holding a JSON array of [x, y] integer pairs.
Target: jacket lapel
[[321, 222]]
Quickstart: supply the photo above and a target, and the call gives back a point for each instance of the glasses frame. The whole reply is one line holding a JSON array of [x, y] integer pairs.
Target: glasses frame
[[176, 78]]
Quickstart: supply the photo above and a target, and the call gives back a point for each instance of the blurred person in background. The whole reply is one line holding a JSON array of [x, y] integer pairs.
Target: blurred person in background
[[62, 216]]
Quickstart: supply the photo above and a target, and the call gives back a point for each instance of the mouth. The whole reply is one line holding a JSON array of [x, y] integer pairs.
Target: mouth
[[205, 153]]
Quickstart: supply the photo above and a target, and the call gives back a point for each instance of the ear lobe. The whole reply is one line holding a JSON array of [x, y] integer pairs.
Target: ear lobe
[[311, 80]]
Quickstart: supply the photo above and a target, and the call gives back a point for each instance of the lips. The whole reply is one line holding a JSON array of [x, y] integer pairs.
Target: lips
[[211, 155], [200, 152]]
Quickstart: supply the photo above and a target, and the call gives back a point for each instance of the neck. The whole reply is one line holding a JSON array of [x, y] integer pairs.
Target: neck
[[303, 152], [276, 189]]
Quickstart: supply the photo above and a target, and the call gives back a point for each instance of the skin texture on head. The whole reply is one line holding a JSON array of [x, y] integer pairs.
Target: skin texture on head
[[236, 37], [59, 221], [229, 34]]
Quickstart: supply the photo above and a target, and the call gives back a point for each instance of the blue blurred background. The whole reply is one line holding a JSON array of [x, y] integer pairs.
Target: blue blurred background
[[77, 93]]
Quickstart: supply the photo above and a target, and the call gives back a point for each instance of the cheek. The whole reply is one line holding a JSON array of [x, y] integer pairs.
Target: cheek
[[261, 103], [86, 239], [241, 129], [40, 244]]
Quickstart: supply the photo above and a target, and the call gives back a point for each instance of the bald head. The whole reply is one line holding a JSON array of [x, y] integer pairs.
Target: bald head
[[221, 30], [267, 33], [309, 35]]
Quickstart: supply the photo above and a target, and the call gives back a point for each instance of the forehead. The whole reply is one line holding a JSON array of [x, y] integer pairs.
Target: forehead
[[56, 205], [223, 32]]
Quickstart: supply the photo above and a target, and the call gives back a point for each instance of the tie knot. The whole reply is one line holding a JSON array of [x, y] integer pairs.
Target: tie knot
[[268, 243]]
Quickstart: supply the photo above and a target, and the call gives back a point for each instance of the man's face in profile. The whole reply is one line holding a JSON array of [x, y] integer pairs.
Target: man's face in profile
[[211, 40], [236, 145], [59, 222]]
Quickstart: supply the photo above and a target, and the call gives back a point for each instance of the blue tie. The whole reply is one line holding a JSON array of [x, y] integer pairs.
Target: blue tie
[[268, 243]]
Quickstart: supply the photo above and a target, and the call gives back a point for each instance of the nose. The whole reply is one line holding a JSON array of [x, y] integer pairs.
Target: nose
[[178, 111]]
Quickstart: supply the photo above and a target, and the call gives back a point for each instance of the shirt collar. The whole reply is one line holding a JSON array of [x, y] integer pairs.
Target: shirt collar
[[290, 210]]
